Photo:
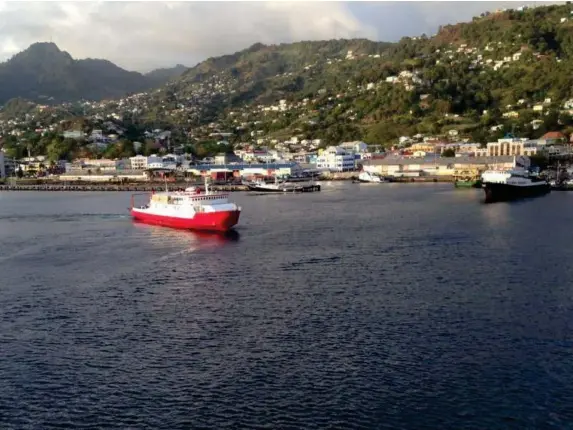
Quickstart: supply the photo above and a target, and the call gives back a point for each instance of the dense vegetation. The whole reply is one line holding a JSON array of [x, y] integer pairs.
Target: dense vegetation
[[503, 72], [461, 90], [45, 74]]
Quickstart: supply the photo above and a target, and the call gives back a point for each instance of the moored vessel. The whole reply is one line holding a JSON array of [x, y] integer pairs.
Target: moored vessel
[[369, 177], [283, 186], [505, 185], [191, 209], [469, 178]]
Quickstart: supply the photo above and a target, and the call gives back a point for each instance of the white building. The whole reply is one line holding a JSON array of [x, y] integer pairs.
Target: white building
[[102, 164], [432, 166], [155, 162], [335, 158], [512, 147], [139, 162], [356, 146]]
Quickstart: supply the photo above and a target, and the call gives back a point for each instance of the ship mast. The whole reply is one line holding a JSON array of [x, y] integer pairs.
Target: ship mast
[[206, 185]]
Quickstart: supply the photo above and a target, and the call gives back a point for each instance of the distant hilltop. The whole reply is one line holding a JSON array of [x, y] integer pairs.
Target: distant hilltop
[[507, 71]]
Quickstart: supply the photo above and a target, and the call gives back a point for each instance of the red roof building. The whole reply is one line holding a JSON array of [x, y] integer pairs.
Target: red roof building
[[553, 135]]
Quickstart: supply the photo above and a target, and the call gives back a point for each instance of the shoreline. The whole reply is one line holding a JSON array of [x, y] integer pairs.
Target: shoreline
[[174, 186]]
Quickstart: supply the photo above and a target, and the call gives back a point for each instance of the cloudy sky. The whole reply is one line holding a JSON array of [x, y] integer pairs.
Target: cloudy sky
[[146, 35]]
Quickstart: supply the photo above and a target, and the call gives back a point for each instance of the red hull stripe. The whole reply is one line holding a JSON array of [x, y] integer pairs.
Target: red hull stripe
[[209, 221]]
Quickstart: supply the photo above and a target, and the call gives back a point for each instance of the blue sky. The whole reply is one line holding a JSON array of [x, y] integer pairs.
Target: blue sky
[[146, 35]]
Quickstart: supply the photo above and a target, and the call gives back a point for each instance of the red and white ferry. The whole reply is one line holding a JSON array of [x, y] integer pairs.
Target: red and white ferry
[[189, 209]]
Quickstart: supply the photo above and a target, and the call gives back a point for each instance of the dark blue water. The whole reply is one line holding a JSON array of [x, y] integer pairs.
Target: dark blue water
[[394, 306]]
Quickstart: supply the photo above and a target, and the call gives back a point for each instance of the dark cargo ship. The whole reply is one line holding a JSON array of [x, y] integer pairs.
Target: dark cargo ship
[[505, 185]]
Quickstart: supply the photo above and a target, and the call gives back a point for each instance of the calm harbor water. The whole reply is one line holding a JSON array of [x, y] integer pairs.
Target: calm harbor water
[[395, 306]]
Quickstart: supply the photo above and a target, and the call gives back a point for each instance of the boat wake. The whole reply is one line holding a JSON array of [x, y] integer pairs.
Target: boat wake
[[195, 235], [60, 217]]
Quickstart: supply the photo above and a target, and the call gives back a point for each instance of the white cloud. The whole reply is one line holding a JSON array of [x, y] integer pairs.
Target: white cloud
[[146, 35]]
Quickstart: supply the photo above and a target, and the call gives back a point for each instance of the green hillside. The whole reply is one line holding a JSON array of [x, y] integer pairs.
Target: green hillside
[[502, 72], [512, 58]]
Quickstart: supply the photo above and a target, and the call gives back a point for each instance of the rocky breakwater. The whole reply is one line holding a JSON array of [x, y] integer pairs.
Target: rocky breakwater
[[98, 187]]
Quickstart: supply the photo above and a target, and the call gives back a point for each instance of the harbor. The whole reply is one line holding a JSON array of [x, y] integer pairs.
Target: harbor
[[95, 187], [159, 186]]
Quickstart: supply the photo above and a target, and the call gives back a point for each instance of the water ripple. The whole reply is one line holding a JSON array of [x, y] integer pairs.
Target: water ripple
[[416, 314]]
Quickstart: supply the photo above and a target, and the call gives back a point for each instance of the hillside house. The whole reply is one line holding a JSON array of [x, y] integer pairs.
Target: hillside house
[[552, 138], [510, 114], [536, 123], [73, 134]]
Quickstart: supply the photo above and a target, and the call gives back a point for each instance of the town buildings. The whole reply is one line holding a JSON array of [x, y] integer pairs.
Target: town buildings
[[512, 146], [437, 166], [336, 159]]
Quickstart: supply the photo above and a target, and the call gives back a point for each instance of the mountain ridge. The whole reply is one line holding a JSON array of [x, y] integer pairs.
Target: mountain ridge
[[475, 77], [43, 73], [506, 71]]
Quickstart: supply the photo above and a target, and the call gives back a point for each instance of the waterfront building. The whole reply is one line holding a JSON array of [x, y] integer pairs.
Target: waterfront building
[[102, 165], [439, 166], [139, 162], [227, 158], [512, 146], [336, 159]]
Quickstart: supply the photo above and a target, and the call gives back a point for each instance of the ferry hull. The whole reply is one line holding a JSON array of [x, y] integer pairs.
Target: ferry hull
[[503, 192], [221, 221]]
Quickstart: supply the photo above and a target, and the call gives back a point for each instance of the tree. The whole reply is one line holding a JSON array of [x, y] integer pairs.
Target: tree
[[449, 153], [61, 149], [122, 149], [12, 149]]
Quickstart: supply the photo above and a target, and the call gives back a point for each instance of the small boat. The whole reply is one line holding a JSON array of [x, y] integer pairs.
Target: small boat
[[190, 209], [299, 177], [369, 177], [467, 179], [504, 185], [282, 186]]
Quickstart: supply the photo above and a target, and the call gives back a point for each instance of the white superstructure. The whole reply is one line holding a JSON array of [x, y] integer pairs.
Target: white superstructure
[[370, 177], [516, 177], [189, 209]]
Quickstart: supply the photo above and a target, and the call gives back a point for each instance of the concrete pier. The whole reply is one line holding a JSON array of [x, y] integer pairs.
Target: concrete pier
[[114, 187]]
